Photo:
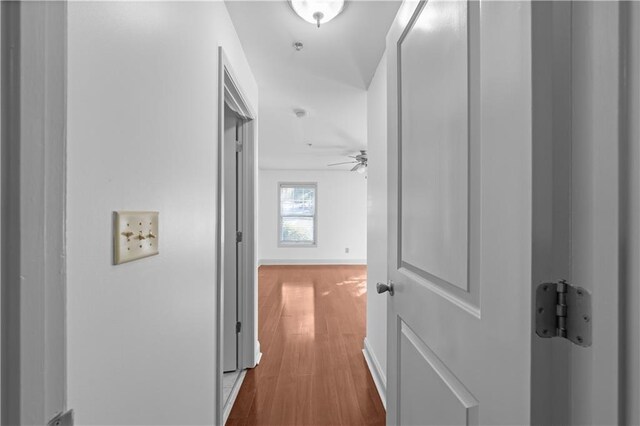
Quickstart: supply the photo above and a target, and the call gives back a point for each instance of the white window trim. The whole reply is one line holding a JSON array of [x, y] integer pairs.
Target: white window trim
[[287, 244]]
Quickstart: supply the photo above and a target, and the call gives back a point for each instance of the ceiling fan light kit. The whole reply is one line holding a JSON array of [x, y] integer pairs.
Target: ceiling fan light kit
[[360, 168], [317, 11]]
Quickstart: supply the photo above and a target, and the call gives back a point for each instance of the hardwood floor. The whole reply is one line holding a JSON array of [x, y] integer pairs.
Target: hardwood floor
[[312, 372]]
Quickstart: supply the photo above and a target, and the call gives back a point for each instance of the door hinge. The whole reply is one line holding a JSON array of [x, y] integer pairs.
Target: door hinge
[[563, 310], [238, 327], [238, 236], [62, 419], [238, 146]]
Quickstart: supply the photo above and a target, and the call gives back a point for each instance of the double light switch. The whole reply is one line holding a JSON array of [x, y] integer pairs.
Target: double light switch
[[135, 235]]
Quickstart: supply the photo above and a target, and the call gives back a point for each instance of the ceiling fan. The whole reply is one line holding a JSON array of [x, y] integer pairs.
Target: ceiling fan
[[360, 162]]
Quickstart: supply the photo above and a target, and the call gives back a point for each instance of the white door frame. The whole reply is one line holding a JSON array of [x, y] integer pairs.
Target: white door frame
[[231, 92], [587, 94], [34, 45], [631, 218], [2, 193], [551, 214]]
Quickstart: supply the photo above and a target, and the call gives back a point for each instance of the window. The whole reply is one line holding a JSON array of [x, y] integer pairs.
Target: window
[[297, 216]]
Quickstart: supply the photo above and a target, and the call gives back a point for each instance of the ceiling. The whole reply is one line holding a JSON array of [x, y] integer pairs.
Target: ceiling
[[328, 79]]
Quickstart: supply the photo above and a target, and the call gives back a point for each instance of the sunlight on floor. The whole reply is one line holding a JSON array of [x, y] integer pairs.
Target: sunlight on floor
[[358, 284], [298, 299]]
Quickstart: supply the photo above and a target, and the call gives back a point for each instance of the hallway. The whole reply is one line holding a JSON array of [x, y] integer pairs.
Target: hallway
[[311, 328], [365, 212]]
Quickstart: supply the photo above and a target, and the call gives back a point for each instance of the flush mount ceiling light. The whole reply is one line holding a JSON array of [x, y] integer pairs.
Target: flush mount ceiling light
[[317, 11]]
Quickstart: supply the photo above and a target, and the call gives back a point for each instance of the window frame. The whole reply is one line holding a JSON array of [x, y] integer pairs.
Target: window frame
[[290, 244]]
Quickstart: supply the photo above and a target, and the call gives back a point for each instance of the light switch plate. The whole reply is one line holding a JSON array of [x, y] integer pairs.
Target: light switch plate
[[135, 236]]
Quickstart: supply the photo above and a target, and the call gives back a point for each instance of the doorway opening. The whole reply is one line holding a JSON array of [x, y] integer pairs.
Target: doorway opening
[[237, 346], [233, 226]]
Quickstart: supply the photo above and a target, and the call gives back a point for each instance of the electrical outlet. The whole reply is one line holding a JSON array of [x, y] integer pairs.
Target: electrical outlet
[[346, 250], [135, 235]]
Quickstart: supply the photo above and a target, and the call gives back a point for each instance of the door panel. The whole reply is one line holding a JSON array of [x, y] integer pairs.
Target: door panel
[[434, 144], [448, 401], [460, 190]]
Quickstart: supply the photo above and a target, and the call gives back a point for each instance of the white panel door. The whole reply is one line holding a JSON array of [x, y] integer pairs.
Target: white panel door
[[230, 223], [460, 191]]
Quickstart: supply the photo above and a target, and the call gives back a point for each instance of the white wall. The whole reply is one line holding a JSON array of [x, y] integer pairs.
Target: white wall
[[142, 134], [376, 340], [342, 217]]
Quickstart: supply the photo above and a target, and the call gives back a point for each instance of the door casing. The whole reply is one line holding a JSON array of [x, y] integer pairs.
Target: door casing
[[34, 45]]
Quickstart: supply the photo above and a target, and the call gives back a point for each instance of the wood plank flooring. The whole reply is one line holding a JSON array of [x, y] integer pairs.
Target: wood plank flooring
[[311, 329]]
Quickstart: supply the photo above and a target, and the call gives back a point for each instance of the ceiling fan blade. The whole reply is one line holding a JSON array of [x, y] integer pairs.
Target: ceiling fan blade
[[339, 164], [320, 146]]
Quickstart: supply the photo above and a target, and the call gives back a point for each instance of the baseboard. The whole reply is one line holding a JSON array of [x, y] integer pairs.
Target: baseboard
[[379, 377], [312, 262], [234, 394], [258, 355]]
